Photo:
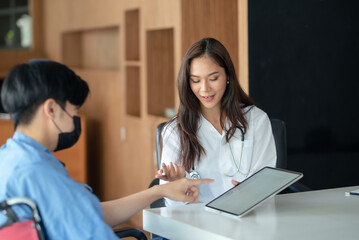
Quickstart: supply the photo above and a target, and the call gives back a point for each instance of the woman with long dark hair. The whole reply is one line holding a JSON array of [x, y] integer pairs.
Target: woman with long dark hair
[[218, 132]]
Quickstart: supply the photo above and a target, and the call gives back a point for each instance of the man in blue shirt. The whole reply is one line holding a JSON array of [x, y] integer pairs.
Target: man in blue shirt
[[43, 97]]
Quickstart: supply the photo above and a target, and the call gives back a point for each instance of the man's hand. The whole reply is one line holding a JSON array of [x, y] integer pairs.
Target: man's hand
[[184, 189]]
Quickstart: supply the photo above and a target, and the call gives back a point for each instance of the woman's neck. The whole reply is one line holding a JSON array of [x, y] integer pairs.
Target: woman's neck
[[213, 116]]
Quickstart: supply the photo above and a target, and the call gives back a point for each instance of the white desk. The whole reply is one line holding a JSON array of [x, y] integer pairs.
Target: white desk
[[326, 214]]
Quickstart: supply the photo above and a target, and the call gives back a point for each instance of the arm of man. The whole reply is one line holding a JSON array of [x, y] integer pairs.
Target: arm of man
[[120, 210]]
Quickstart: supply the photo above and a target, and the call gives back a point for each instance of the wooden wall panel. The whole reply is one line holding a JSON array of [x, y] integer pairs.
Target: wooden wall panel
[[243, 67], [211, 18], [103, 121]]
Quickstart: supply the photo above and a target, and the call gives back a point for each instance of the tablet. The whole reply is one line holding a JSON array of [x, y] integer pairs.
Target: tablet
[[244, 197]]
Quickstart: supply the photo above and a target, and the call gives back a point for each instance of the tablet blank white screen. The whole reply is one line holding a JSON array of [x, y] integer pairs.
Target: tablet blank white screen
[[253, 190]]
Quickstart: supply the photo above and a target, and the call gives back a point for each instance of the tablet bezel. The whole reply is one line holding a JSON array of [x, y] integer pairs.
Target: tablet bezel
[[299, 176]]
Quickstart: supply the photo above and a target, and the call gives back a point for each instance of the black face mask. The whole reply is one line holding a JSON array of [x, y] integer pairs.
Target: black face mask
[[68, 139]]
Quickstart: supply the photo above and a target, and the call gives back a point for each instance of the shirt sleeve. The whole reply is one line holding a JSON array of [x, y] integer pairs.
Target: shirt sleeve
[[67, 208], [264, 151], [170, 151], [170, 144]]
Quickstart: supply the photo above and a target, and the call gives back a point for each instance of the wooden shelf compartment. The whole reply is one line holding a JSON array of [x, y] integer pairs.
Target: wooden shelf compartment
[[132, 36], [133, 100], [91, 49], [160, 71], [133, 63]]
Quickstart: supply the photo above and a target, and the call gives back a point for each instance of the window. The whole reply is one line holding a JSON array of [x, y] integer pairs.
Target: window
[[15, 24]]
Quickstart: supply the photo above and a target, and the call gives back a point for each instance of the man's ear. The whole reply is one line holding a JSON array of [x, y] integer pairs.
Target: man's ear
[[50, 107]]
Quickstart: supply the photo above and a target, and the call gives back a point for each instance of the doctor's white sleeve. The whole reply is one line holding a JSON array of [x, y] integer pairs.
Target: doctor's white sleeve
[[170, 150], [264, 151]]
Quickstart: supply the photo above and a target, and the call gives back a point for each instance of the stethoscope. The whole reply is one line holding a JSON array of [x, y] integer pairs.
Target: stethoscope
[[195, 175]]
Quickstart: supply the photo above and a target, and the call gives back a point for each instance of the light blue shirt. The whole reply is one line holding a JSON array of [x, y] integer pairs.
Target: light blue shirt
[[68, 209]]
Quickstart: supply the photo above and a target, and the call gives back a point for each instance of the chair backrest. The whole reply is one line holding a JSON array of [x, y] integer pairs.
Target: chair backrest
[[159, 144], [280, 138], [156, 181]]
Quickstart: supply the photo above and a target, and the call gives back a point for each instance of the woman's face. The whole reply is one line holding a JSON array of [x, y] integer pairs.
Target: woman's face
[[208, 82]]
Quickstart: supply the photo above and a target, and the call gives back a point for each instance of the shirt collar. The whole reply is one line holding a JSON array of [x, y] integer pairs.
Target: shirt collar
[[209, 125], [18, 136]]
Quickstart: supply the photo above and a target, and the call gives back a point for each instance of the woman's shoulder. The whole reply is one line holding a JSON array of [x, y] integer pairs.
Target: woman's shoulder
[[253, 111], [255, 114], [170, 128]]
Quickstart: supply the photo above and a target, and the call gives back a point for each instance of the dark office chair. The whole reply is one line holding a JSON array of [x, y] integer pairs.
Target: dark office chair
[[33, 229], [280, 139], [130, 232], [159, 144], [160, 202]]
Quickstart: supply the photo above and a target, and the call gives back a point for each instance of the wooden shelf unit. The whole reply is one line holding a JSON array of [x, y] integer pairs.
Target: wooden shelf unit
[[91, 49], [132, 62]]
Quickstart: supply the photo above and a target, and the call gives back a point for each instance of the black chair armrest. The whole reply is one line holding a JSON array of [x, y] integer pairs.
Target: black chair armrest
[[154, 182], [130, 232], [299, 187]]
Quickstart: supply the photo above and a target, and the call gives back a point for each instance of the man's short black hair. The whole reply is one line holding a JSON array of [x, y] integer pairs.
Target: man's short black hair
[[28, 85]]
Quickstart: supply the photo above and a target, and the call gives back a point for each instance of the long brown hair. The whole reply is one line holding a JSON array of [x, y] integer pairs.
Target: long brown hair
[[232, 103]]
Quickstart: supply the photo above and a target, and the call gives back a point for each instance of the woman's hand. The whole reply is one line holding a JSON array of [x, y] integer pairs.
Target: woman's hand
[[234, 182], [184, 190], [171, 172]]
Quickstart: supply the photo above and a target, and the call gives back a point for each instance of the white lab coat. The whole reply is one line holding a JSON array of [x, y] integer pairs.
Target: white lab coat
[[258, 151]]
